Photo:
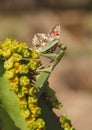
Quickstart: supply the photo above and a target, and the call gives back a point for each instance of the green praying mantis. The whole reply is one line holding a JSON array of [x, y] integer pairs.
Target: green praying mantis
[[46, 46]]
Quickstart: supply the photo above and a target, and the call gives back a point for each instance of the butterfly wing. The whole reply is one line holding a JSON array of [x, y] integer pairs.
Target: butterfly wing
[[55, 32], [39, 41]]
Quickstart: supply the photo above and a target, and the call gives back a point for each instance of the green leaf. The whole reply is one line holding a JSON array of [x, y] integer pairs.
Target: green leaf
[[6, 123], [49, 45]]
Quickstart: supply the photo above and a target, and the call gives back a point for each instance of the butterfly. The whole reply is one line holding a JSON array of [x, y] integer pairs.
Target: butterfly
[[40, 40]]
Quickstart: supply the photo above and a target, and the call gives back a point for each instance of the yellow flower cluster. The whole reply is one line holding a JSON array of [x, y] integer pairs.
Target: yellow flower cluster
[[66, 123], [20, 64]]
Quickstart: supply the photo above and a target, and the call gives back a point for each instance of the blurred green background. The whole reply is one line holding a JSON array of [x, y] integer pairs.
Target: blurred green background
[[72, 78]]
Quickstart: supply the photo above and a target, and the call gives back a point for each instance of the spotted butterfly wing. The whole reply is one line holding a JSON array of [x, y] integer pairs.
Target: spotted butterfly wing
[[39, 41], [55, 32]]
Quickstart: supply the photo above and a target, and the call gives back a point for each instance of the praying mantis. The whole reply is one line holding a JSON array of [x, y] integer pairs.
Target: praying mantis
[[46, 46]]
